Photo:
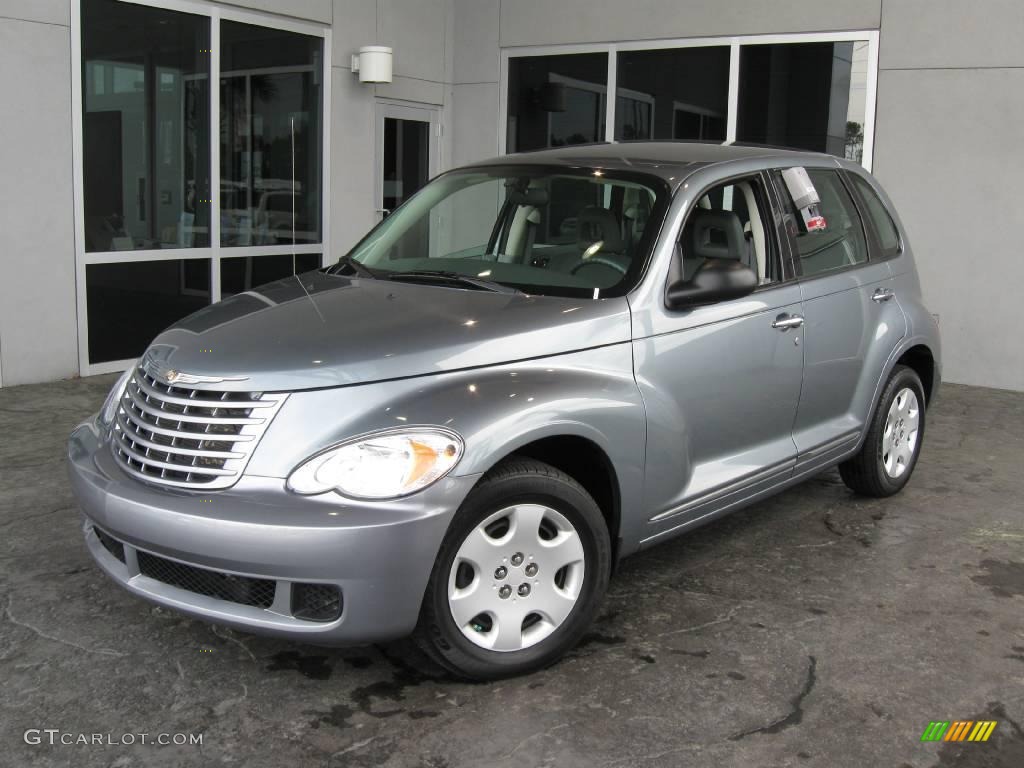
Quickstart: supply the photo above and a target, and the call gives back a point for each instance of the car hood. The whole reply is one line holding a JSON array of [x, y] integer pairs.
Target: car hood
[[318, 330]]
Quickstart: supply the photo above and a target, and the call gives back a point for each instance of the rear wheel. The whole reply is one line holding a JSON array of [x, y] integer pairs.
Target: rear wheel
[[520, 574], [889, 453]]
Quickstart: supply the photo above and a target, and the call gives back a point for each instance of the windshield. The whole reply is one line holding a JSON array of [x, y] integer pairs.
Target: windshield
[[542, 230]]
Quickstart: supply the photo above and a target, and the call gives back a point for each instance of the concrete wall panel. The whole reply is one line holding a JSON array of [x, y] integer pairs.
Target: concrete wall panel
[[948, 151], [952, 34], [542, 22], [38, 325]]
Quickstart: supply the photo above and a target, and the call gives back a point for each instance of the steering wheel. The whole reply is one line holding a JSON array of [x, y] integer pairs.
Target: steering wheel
[[598, 259]]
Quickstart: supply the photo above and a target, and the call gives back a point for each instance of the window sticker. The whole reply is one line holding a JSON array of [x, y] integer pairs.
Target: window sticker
[[805, 198]]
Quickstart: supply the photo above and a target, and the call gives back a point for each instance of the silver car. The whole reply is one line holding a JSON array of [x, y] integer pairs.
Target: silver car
[[536, 366]]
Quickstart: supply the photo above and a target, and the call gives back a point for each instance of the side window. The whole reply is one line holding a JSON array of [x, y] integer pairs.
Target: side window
[[888, 235], [731, 221], [836, 242]]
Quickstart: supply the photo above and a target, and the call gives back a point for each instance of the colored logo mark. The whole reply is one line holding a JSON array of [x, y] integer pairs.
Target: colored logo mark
[[958, 730]]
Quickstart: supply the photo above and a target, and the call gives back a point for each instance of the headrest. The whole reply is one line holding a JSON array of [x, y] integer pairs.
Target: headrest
[[535, 196], [594, 224], [715, 235]]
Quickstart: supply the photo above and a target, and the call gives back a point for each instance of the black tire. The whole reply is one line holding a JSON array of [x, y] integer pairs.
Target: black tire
[[515, 481], [865, 473]]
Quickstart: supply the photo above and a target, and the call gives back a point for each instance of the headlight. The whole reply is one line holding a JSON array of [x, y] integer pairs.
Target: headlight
[[384, 465], [114, 398]]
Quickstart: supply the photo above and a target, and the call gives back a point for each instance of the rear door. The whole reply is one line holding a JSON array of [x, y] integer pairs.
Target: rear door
[[851, 323]]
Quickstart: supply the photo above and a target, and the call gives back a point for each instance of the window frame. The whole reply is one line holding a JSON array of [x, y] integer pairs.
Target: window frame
[[215, 252], [877, 251], [734, 42], [776, 237], [797, 263]]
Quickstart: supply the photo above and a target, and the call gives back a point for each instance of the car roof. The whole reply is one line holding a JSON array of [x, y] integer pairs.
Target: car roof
[[671, 160]]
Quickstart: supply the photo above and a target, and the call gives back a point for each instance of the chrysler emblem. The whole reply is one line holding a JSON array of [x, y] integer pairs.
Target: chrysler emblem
[[157, 370]]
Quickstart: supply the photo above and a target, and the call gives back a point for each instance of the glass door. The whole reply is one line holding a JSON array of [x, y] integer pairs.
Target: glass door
[[407, 153]]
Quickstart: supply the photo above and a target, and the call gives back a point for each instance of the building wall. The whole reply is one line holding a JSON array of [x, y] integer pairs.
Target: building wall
[[38, 329], [948, 150], [947, 137]]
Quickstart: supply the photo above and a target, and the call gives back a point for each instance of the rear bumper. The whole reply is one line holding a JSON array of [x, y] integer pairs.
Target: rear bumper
[[378, 554]]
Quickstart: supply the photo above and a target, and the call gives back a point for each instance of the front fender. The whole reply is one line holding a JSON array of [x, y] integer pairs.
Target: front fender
[[497, 410]]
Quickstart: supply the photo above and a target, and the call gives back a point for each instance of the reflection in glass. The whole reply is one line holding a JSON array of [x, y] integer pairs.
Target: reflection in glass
[[145, 127], [676, 93], [805, 95], [556, 100], [129, 304], [243, 273], [270, 136], [406, 160]]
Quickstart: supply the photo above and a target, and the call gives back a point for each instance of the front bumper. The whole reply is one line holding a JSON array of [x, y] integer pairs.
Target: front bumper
[[379, 554]]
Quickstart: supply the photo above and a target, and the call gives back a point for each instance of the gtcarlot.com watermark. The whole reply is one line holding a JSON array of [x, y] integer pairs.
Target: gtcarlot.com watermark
[[57, 737]]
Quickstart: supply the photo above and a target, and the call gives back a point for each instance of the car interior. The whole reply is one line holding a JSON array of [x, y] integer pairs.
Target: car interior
[[571, 226], [727, 224]]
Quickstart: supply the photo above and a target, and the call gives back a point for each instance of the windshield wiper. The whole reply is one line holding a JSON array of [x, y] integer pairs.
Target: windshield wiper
[[425, 275], [357, 266]]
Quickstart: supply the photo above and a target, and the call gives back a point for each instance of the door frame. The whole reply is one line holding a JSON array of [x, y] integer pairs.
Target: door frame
[[404, 110]]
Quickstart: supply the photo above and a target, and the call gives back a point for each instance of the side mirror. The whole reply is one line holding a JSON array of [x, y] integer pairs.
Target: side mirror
[[715, 280]]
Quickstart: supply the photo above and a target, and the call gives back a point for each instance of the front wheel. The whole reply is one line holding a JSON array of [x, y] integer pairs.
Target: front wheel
[[889, 453], [520, 575]]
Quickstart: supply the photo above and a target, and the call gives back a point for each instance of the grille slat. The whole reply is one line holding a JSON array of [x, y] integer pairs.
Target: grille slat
[[194, 398], [163, 413], [188, 438], [174, 444]]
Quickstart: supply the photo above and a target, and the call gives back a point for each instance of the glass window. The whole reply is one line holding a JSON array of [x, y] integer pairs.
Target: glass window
[[145, 127], [731, 221], [270, 137], [556, 100], [541, 230], [885, 228], [804, 95], [128, 304], [243, 273], [678, 93], [840, 241], [406, 160]]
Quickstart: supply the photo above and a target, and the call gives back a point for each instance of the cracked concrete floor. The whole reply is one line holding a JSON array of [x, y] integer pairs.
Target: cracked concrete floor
[[816, 629]]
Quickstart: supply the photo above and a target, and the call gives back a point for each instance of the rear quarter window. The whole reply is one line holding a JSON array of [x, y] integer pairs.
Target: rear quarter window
[[878, 214]]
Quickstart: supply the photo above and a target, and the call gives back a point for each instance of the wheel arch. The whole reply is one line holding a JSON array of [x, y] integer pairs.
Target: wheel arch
[[587, 462], [917, 354]]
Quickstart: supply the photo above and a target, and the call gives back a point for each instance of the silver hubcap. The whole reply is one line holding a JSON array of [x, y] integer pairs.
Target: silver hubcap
[[516, 577], [899, 440]]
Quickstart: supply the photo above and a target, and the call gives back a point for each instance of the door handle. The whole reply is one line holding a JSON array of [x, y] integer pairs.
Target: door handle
[[786, 321], [882, 294]]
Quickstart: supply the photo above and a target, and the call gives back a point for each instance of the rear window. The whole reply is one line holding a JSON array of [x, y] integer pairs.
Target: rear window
[[888, 235]]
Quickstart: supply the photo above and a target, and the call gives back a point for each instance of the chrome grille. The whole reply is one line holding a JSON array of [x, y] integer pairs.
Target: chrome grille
[[188, 438]]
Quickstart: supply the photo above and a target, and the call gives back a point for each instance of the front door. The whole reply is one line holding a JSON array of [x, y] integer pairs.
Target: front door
[[722, 387], [407, 152]]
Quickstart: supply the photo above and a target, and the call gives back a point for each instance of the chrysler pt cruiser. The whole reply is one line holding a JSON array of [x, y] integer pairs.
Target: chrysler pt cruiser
[[536, 366]]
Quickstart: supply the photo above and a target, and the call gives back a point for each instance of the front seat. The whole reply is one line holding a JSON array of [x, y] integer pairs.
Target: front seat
[[715, 235]]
